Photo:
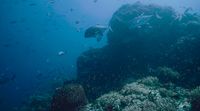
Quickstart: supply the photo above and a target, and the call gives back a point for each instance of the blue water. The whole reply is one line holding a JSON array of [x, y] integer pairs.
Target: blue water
[[33, 32]]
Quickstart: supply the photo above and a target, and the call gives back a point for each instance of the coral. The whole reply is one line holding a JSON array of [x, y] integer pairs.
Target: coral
[[184, 106], [132, 108], [140, 97], [111, 101], [185, 58], [149, 81], [37, 103], [149, 106], [167, 93], [166, 104], [195, 99], [70, 97], [166, 74], [135, 88]]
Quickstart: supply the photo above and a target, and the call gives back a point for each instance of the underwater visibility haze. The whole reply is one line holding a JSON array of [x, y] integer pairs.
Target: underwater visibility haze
[[100, 55]]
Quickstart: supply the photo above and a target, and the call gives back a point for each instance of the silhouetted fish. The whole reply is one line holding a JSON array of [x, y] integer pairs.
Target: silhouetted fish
[[6, 78], [13, 22], [6, 45], [77, 22], [32, 4], [1, 100], [96, 31], [95, 1], [71, 9]]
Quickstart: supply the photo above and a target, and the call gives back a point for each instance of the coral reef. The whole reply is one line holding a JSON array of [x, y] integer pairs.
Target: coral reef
[[37, 103], [166, 74], [143, 37], [70, 97], [143, 41], [141, 96], [195, 99], [149, 81]]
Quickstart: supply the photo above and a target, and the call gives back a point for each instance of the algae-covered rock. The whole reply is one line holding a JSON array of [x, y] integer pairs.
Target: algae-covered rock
[[70, 97], [134, 23], [39, 102], [195, 99], [166, 74]]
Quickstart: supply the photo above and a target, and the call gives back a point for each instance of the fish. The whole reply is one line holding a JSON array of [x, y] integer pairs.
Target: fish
[[6, 78], [71, 9], [6, 45], [51, 1], [13, 22], [77, 22], [95, 1], [96, 31], [32, 4], [1, 100]]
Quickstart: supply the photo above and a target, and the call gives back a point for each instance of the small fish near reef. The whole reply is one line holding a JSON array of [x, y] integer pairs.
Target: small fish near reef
[[96, 31]]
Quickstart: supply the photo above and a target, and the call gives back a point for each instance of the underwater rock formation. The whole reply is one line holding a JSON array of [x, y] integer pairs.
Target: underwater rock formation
[[166, 74], [195, 99], [141, 96], [37, 103], [185, 57], [70, 97], [97, 71], [143, 38]]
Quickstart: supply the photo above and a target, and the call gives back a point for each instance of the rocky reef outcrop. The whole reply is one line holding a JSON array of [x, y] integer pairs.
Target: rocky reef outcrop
[[195, 99], [142, 39], [70, 97], [39, 102]]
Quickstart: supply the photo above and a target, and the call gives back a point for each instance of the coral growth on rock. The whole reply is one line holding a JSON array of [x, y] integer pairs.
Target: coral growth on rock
[[143, 37], [70, 97], [195, 99], [143, 41], [37, 103], [166, 74], [139, 96]]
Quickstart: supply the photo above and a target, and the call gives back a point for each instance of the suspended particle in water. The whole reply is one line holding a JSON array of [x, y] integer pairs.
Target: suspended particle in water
[[61, 53]]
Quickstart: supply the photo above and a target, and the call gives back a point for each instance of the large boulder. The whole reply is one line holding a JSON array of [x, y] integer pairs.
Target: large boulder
[[70, 97]]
